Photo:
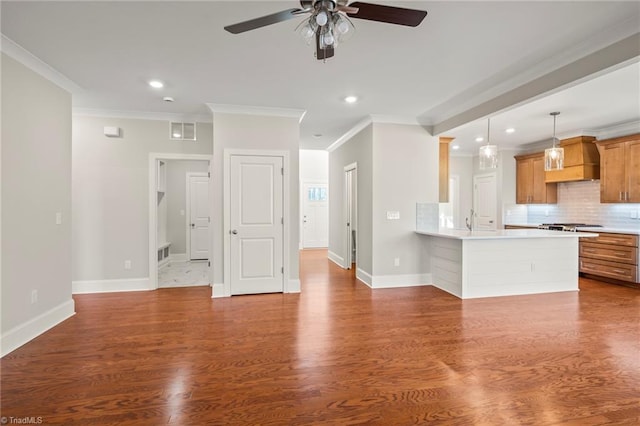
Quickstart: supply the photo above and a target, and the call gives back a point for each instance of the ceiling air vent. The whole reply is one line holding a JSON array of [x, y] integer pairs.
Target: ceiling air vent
[[182, 131]]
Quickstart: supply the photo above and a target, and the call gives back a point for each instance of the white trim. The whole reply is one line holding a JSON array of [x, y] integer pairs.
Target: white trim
[[217, 291], [293, 286], [347, 261], [286, 190], [256, 110], [398, 281], [178, 257], [338, 260], [28, 59], [189, 175], [616, 130], [154, 157], [360, 126], [364, 277], [111, 286], [23, 333], [141, 115]]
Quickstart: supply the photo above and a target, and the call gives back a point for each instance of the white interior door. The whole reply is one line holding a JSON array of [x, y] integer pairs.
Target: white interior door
[[315, 215], [198, 217], [256, 221], [485, 202]]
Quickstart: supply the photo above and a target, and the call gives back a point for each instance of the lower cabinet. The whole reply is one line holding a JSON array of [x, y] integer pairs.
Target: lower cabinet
[[613, 256]]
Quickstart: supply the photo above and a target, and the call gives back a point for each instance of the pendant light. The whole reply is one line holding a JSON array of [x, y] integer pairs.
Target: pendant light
[[554, 156], [488, 154]]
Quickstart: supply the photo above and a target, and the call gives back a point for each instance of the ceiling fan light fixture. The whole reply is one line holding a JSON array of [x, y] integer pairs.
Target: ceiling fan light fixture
[[322, 18]]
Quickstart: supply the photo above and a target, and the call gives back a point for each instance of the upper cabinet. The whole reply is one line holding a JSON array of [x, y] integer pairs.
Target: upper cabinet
[[620, 169], [531, 187]]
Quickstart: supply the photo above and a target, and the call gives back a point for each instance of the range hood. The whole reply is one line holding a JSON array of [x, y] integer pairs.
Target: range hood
[[581, 161]]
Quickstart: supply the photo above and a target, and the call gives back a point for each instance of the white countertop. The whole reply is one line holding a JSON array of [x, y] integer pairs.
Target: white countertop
[[634, 231], [463, 234]]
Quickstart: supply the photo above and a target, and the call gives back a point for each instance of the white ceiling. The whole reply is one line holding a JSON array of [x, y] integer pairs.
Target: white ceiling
[[462, 56]]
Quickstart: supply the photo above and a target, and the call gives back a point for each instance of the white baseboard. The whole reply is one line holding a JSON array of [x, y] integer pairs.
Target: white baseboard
[[293, 286], [393, 281], [178, 257], [364, 277], [338, 260], [110, 286], [18, 336], [217, 291], [396, 281]]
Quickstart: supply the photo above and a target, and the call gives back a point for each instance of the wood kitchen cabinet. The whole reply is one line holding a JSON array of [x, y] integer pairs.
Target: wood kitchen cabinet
[[610, 256], [620, 169], [531, 187]]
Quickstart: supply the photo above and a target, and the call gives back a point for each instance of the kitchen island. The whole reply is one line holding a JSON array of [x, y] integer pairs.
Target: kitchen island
[[473, 264]]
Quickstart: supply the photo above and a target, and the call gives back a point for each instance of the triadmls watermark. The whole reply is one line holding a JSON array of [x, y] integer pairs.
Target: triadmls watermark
[[26, 420]]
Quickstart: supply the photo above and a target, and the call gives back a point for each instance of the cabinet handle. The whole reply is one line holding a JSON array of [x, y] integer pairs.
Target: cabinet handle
[[620, 196], [619, 271]]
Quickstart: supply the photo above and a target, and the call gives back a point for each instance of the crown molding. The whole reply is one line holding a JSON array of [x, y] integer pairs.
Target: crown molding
[[142, 115], [616, 130], [361, 125], [31, 61], [256, 110]]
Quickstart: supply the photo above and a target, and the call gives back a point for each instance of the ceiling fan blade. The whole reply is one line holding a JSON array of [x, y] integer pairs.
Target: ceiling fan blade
[[263, 21], [322, 53], [388, 14], [347, 9]]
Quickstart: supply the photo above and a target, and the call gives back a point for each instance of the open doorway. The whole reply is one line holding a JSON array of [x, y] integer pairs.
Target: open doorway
[[180, 235], [351, 216]]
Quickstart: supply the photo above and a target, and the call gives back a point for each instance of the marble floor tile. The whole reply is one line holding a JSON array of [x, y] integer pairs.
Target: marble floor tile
[[184, 274]]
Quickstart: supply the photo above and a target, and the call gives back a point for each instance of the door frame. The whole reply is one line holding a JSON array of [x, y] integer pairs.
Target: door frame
[[154, 157], [188, 210], [347, 234], [286, 202]]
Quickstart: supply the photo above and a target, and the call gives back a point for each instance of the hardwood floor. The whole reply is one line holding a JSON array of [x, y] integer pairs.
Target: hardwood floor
[[338, 354]]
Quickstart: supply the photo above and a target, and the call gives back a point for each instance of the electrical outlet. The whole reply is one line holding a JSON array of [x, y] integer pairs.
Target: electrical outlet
[[34, 297], [633, 214], [58, 218], [181, 212], [127, 264], [396, 261], [393, 215]]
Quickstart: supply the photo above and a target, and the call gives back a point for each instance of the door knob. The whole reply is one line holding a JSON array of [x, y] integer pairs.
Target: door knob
[[234, 232]]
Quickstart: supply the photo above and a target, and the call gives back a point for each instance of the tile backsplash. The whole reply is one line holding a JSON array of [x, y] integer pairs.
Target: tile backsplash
[[579, 202]]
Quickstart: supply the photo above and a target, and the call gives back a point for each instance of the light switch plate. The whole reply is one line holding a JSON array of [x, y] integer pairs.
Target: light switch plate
[[393, 215], [58, 218]]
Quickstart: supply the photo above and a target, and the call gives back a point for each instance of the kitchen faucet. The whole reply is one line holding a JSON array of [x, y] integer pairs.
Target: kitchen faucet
[[470, 222]]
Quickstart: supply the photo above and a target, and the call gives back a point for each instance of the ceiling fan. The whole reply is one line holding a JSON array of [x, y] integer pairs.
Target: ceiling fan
[[329, 23]]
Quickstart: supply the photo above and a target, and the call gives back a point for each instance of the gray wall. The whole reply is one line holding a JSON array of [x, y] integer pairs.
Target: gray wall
[[110, 192], [177, 201], [357, 149], [405, 171], [36, 184], [253, 132]]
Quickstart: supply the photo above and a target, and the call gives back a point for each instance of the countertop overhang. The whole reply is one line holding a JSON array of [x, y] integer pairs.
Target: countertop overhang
[[463, 234]]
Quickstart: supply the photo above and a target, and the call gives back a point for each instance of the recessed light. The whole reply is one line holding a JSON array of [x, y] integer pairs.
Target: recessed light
[[455, 147], [317, 135], [156, 84], [351, 99], [167, 99], [510, 130], [479, 139]]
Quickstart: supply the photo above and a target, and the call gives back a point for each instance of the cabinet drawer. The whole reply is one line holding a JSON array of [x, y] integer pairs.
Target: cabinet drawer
[[617, 239], [617, 253], [603, 268]]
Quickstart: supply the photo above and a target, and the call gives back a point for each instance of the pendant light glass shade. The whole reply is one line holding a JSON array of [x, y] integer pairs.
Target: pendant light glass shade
[[488, 154], [554, 156]]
